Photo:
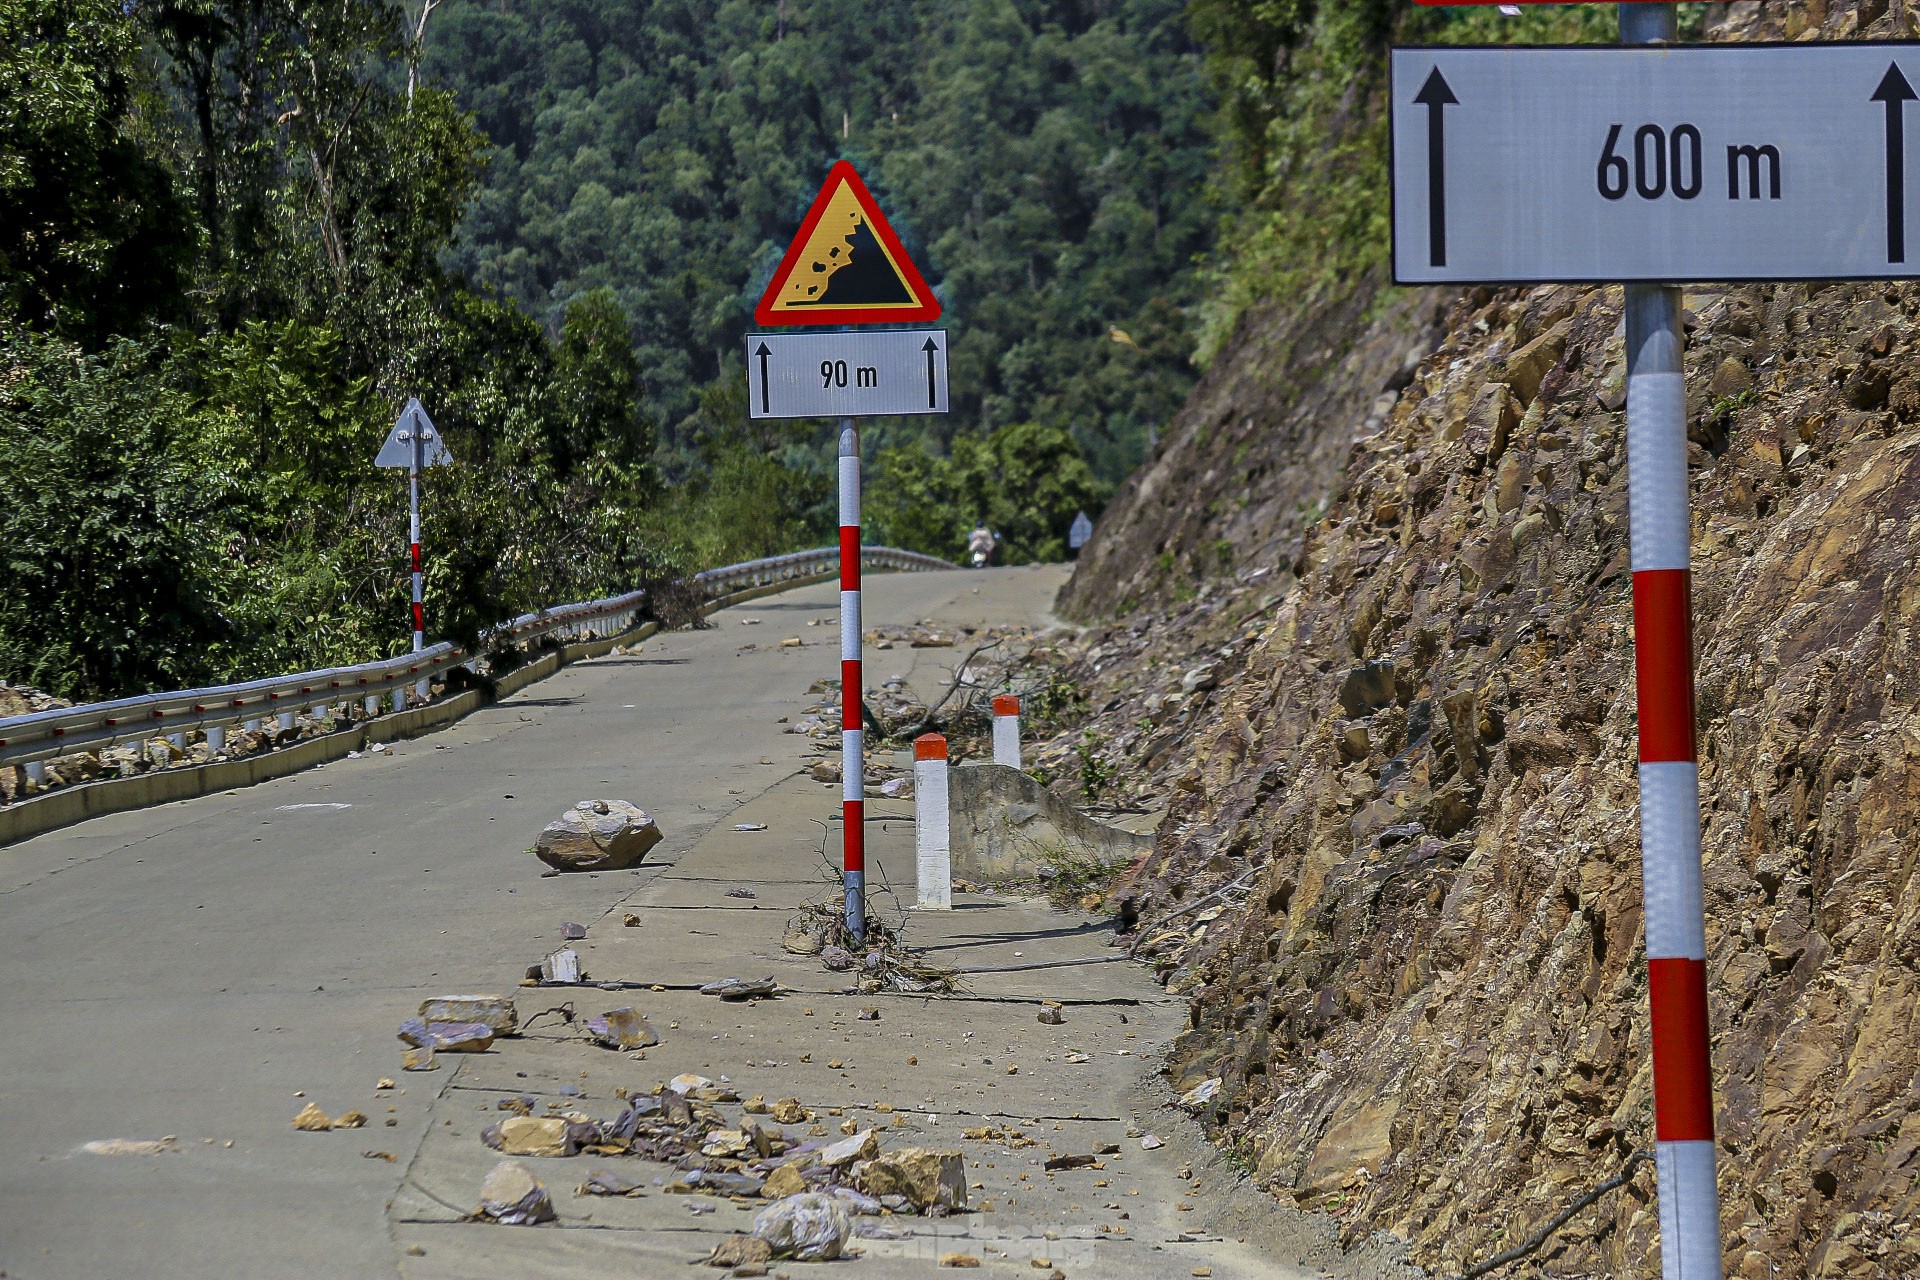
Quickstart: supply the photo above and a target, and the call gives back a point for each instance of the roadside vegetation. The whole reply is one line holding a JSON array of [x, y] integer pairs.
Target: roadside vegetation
[[235, 236]]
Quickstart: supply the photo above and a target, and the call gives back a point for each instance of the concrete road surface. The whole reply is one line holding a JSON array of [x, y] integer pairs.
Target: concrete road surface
[[201, 971]]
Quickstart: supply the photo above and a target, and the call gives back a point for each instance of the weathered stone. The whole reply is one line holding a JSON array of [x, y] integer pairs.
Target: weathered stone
[[496, 1012], [418, 1059], [926, 1177], [535, 1136], [861, 1146], [313, 1119], [513, 1197], [807, 1228], [784, 1181], [623, 1028], [788, 1111], [597, 835], [447, 1037], [740, 1251]]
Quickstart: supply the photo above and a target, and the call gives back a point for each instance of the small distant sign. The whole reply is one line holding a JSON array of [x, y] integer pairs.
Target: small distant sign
[[1079, 532], [414, 424]]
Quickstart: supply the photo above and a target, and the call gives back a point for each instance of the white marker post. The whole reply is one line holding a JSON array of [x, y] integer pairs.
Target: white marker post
[[853, 831], [932, 823], [1006, 730]]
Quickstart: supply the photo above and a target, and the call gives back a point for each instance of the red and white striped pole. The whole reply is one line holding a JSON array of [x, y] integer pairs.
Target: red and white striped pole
[[853, 831], [1657, 506], [413, 509]]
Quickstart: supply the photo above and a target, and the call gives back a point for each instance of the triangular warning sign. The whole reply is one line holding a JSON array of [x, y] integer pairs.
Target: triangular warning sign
[[846, 266]]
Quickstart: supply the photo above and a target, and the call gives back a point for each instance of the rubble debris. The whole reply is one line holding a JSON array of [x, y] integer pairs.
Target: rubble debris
[[133, 1146], [861, 1146], [741, 891], [572, 932], [605, 1182], [597, 835], [789, 1111], [561, 967], [869, 1014], [418, 1059], [496, 1012], [513, 1197], [447, 1037], [749, 826], [1069, 1162], [312, 1119], [933, 1181], [741, 988], [838, 959], [1201, 1094], [1050, 1013], [623, 1028], [1151, 1142], [351, 1120], [825, 771], [958, 1260], [388, 1156], [806, 1227], [630, 920], [547, 1136], [785, 1180], [740, 1251]]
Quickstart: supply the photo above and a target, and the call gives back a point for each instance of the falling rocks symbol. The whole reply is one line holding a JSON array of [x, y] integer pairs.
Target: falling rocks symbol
[[864, 278]]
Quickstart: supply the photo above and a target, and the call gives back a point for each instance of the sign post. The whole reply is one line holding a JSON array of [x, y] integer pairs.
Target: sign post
[[413, 443], [1659, 531], [846, 267], [1655, 163]]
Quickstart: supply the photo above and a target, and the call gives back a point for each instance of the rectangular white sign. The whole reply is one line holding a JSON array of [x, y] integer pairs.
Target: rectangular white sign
[[1690, 162], [858, 374]]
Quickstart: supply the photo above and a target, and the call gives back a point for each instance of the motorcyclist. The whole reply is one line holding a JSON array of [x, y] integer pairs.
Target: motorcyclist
[[980, 545]]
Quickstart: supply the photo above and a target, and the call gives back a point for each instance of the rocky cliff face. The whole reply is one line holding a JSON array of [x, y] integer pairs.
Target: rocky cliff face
[[1415, 756]]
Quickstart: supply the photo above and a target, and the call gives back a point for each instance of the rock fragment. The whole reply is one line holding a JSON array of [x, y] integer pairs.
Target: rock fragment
[[313, 1119], [513, 1197], [447, 1037], [623, 1028], [597, 835], [496, 1012], [806, 1227], [931, 1180]]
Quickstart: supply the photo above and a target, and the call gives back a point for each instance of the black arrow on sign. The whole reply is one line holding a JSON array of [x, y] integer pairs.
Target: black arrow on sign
[[1896, 93], [766, 401], [933, 399], [1436, 97]]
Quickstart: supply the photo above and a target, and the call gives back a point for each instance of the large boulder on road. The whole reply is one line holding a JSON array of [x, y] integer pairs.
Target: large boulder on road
[[597, 835]]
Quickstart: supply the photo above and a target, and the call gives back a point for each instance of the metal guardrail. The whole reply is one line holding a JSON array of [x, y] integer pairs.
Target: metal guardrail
[[69, 730]]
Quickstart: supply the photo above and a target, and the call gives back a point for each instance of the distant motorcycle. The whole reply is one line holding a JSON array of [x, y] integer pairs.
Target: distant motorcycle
[[980, 545]]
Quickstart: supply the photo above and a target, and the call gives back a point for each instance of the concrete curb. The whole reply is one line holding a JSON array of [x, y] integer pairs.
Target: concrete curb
[[55, 809], [68, 805]]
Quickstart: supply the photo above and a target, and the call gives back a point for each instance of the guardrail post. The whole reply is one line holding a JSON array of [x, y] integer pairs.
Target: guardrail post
[[933, 854], [371, 703], [399, 700], [286, 720], [253, 726], [1006, 730], [178, 741], [217, 738], [37, 772]]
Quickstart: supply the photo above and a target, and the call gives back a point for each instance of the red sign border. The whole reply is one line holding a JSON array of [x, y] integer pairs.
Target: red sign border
[[929, 306]]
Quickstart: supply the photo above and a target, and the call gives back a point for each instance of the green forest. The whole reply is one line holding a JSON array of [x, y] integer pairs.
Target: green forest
[[237, 235]]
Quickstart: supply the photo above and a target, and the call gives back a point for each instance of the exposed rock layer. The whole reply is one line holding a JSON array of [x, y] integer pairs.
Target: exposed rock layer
[[1430, 1011]]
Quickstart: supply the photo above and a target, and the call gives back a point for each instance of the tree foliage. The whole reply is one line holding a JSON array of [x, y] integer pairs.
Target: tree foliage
[[1042, 159]]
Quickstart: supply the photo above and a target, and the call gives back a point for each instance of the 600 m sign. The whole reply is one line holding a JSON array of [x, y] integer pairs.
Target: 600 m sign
[[1677, 163]]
